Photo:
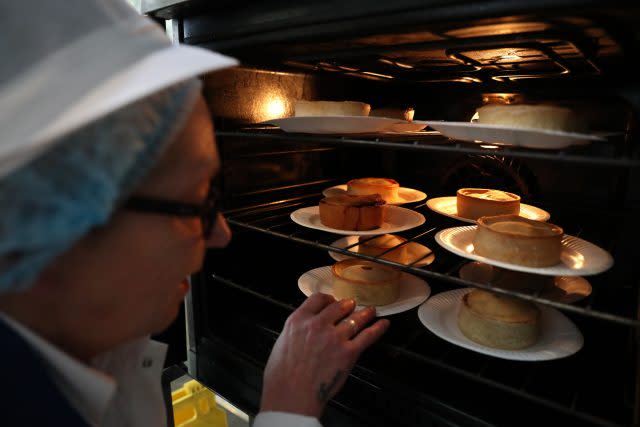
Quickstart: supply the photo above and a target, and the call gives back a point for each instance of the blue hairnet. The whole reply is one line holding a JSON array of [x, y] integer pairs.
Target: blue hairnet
[[54, 200]]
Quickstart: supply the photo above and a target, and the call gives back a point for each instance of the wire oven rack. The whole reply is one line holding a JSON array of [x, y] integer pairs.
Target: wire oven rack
[[411, 345], [275, 220], [604, 154]]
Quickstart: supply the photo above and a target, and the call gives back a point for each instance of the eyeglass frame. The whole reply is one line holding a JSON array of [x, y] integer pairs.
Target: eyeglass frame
[[207, 211]]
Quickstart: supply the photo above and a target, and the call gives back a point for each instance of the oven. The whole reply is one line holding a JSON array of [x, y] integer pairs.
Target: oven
[[445, 59]]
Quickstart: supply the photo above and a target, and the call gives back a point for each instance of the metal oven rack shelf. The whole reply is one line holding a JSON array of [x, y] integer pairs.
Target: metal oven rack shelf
[[274, 220], [601, 154]]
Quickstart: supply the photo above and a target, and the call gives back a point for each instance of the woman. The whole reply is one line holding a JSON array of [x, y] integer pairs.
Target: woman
[[103, 134]]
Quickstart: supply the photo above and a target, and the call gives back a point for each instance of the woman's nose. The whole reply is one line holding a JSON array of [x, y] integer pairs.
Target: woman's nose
[[221, 234]]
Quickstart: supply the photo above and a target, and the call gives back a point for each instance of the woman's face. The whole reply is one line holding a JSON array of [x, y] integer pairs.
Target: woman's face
[[127, 279]]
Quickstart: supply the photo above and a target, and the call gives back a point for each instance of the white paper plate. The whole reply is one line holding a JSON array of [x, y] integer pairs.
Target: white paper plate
[[415, 251], [559, 336], [565, 289], [396, 219], [578, 257], [336, 124], [448, 206], [413, 290], [405, 195], [495, 134], [413, 133]]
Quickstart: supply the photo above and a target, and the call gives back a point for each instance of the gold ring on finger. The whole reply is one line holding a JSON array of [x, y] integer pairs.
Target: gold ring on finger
[[353, 324]]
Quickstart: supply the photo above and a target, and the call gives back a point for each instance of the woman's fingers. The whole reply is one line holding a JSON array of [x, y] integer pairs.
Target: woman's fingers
[[334, 313], [369, 335], [315, 303], [352, 325]]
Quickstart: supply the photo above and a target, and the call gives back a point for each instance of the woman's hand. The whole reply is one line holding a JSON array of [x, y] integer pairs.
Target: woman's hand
[[315, 352]]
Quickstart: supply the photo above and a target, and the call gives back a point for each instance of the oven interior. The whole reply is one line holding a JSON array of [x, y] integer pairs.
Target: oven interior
[[445, 65]]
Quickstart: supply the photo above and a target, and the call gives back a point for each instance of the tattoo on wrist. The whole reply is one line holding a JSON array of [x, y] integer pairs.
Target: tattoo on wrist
[[325, 390]]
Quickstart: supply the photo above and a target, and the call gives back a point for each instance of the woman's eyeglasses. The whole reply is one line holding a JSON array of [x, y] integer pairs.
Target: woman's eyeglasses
[[207, 211]]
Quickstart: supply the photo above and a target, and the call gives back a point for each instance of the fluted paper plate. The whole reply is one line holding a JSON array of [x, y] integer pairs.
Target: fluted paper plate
[[337, 124], [448, 206], [413, 290], [578, 257], [565, 289], [396, 219], [559, 336], [415, 251], [496, 134], [405, 195]]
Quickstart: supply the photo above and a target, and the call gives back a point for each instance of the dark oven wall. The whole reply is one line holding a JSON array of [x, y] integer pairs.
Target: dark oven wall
[[412, 377]]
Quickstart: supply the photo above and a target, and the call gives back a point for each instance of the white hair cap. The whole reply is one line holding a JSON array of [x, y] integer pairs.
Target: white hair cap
[[64, 66]]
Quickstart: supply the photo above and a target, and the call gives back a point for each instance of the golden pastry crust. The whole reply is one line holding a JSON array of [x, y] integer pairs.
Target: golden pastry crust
[[555, 288], [519, 281], [385, 187], [517, 240], [473, 203], [394, 113], [346, 212], [331, 108], [498, 321], [380, 244], [544, 117], [367, 282]]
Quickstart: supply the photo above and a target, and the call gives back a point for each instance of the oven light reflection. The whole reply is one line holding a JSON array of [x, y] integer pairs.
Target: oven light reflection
[[345, 68], [571, 257], [469, 248], [455, 79], [271, 106], [395, 63], [501, 98], [490, 147], [369, 73], [275, 108], [510, 56], [498, 29]]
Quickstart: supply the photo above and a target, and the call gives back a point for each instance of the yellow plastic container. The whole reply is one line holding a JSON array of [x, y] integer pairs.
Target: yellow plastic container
[[195, 406]]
